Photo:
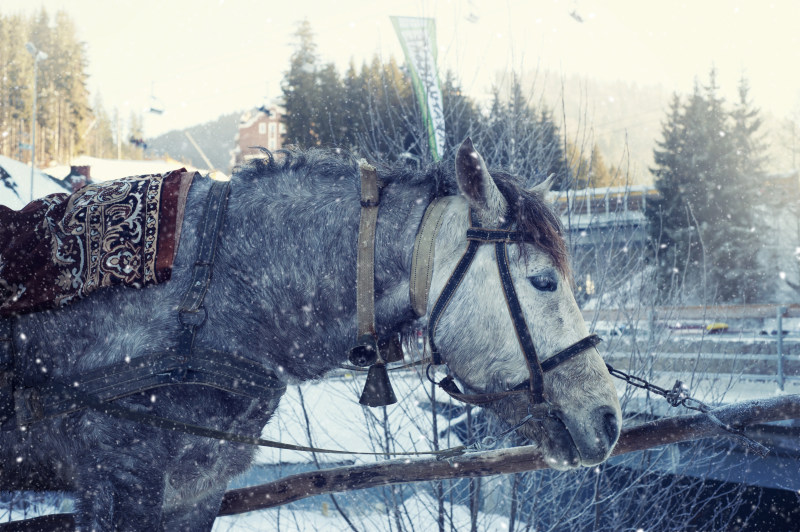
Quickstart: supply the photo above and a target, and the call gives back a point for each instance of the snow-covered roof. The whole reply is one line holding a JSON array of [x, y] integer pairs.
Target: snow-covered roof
[[601, 192], [108, 169], [15, 183]]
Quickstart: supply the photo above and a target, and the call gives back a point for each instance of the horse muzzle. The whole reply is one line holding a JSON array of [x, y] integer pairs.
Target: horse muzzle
[[589, 437]]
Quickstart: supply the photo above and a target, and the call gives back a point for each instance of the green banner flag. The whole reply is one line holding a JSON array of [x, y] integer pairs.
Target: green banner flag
[[418, 38]]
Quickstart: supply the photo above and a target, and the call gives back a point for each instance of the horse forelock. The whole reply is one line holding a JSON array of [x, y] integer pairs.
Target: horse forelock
[[535, 219]]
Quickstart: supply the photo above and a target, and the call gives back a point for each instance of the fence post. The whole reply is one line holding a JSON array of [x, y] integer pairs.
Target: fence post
[[781, 311]]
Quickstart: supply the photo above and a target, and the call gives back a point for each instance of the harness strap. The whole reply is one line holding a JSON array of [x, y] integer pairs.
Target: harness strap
[[494, 235], [562, 356], [6, 370], [366, 350], [450, 387], [223, 371], [84, 400], [424, 251], [189, 311], [365, 276]]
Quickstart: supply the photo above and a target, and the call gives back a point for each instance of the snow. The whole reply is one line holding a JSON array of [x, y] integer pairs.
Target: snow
[[421, 506], [108, 169], [338, 421], [20, 173], [48, 183]]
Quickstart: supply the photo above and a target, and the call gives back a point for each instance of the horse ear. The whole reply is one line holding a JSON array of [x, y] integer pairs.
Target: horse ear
[[544, 187], [478, 186]]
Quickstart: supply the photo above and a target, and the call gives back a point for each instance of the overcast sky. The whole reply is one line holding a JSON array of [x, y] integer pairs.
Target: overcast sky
[[203, 58]]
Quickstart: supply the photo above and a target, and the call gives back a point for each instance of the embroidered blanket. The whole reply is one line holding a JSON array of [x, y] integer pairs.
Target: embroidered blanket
[[63, 247]]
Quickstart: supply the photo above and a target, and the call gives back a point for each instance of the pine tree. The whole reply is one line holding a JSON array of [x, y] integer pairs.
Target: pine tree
[[461, 115], [331, 120], [354, 107], [599, 174], [300, 91], [390, 126], [670, 240], [100, 137], [549, 153], [701, 228], [516, 136], [16, 71], [72, 113], [62, 110], [749, 145]]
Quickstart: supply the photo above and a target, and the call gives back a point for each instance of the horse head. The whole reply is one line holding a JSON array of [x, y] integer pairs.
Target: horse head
[[574, 412]]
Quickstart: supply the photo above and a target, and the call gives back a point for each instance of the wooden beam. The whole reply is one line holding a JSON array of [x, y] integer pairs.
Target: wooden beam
[[518, 459]]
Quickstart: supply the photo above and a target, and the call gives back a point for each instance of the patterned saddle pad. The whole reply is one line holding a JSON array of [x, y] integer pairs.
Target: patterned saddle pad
[[63, 247]]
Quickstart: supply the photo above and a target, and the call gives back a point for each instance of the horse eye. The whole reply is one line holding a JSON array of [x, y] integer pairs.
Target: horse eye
[[545, 283]]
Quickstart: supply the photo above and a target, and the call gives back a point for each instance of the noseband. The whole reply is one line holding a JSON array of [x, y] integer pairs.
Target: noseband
[[420, 284]]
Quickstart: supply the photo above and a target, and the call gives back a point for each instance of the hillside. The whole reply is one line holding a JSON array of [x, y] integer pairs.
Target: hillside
[[215, 138]]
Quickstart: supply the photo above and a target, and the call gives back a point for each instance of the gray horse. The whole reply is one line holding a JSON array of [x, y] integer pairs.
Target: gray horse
[[283, 295]]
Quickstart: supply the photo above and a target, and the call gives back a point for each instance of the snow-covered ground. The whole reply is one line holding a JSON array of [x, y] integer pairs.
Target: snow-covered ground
[[338, 421], [420, 512]]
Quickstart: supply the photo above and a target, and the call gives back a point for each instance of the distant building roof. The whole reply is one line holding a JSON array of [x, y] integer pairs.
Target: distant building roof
[[108, 169]]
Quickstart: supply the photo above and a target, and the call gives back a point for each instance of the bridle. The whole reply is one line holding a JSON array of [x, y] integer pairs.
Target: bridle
[[422, 269]]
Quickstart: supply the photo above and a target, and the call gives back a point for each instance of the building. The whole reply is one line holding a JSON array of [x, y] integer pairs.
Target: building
[[258, 127]]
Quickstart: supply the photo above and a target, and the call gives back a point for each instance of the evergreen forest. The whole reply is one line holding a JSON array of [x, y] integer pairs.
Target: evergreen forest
[[67, 123]]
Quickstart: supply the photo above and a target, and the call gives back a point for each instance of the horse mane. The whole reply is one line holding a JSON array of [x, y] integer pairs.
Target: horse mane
[[528, 210]]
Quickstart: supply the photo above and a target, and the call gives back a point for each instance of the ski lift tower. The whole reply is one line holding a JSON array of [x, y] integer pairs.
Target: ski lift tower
[[38, 55]]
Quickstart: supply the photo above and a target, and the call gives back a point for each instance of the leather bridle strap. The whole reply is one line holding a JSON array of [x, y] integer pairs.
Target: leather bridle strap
[[447, 293], [536, 382], [562, 356], [191, 312]]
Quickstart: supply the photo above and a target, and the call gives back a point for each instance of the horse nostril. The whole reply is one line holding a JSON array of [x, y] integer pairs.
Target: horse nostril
[[611, 426]]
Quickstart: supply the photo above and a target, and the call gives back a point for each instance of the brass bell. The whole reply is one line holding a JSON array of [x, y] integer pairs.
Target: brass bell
[[377, 390]]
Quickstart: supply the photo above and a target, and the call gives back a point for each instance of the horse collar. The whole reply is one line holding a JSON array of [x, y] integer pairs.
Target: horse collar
[[421, 275]]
